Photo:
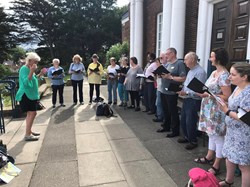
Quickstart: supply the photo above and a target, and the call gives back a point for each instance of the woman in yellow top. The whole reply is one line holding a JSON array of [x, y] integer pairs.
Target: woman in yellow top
[[95, 71]]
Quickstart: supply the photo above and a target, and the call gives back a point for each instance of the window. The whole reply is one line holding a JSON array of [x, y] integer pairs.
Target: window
[[159, 34]]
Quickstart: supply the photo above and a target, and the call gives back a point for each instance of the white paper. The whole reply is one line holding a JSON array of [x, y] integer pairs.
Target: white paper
[[241, 113], [140, 75], [9, 172]]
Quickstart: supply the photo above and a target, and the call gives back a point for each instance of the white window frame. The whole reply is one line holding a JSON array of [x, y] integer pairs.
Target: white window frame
[[159, 25]]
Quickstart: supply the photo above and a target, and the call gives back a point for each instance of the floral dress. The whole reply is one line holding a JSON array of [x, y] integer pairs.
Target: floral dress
[[237, 140], [212, 119]]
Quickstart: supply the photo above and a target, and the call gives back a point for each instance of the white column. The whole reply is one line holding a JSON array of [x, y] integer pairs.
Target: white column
[[132, 27], [166, 29], [248, 44], [138, 40], [178, 26], [204, 32]]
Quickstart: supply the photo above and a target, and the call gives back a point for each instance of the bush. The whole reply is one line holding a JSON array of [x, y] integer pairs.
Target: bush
[[4, 71], [118, 50]]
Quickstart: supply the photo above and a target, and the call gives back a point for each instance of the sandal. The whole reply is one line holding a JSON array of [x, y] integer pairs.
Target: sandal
[[214, 171], [203, 160], [225, 183]]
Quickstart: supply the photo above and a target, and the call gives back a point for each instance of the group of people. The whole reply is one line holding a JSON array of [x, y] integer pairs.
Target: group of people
[[229, 137]]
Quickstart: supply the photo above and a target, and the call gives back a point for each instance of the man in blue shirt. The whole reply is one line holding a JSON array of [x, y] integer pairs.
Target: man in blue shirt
[[56, 74], [191, 102]]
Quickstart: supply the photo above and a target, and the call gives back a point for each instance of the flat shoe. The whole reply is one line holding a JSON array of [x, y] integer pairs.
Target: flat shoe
[[203, 160], [214, 171], [31, 138], [35, 133]]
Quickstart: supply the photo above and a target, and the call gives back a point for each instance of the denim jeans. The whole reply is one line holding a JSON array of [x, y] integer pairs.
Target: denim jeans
[[123, 93], [189, 118], [149, 96], [112, 90], [158, 104]]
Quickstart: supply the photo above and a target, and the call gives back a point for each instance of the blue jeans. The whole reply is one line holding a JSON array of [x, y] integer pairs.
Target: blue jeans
[[112, 89], [158, 104], [123, 93], [149, 96], [189, 118]]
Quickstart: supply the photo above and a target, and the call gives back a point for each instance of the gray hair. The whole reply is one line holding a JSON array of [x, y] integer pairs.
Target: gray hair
[[32, 56]]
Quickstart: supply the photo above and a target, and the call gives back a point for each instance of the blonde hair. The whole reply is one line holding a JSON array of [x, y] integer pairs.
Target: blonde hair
[[112, 59], [77, 56], [32, 56]]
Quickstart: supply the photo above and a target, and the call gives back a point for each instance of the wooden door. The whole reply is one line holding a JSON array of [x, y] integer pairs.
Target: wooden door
[[230, 28]]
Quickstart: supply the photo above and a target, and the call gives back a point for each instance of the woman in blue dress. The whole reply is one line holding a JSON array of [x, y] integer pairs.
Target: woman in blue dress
[[236, 148]]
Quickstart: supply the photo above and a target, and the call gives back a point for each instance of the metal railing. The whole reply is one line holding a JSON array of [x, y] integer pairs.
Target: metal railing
[[10, 87]]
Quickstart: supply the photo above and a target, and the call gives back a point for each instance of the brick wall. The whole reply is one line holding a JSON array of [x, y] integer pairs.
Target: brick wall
[[151, 9], [126, 31], [191, 25]]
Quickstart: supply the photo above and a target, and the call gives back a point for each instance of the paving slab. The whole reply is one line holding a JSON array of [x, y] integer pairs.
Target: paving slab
[[115, 184], [146, 173], [24, 177], [88, 127], [99, 168], [89, 143], [127, 150], [57, 174], [118, 131]]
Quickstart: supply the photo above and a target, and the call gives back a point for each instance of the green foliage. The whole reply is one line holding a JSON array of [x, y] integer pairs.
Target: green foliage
[[117, 51], [16, 53], [4, 71], [68, 27]]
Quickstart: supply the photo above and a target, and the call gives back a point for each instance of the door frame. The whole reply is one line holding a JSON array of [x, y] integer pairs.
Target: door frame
[[204, 31]]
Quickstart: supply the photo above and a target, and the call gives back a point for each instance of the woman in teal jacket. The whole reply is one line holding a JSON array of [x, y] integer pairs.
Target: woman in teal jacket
[[27, 93]]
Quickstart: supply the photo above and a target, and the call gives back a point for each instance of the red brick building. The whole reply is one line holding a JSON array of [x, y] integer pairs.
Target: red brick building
[[188, 25]]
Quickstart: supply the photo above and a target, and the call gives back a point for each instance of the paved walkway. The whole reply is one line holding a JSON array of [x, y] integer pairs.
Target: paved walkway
[[76, 150]]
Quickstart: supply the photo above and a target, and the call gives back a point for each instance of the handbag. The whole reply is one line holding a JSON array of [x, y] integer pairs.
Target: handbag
[[39, 106]]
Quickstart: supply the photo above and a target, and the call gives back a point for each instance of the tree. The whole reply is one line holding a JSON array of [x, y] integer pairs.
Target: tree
[[118, 50], [67, 27], [6, 38]]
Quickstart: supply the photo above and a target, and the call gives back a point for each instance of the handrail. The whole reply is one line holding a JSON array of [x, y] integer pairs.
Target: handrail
[[9, 85]]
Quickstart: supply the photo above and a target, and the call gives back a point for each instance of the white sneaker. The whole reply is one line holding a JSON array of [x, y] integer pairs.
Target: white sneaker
[[31, 138]]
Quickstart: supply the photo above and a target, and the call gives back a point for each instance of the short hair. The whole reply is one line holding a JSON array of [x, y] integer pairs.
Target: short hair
[[95, 56], [134, 59], [221, 56], [32, 56], [173, 50], [112, 59], [56, 60], [243, 69], [77, 56], [125, 59], [152, 56], [193, 56]]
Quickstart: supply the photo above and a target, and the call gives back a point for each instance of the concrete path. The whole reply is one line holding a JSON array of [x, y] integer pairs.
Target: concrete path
[[76, 149]]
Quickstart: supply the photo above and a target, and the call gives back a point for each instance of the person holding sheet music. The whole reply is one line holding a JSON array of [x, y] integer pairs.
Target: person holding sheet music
[[212, 119], [236, 148], [56, 74], [95, 71], [176, 75], [112, 81], [132, 83], [123, 94], [149, 85], [191, 102], [77, 71]]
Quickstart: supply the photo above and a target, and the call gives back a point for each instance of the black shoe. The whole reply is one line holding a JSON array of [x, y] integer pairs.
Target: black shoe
[[150, 113], [182, 140], [121, 104], [110, 102], [115, 103], [137, 109], [63, 105], [124, 104], [131, 107], [157, 120], [171, 135], [54, 106], [145, 111], [161, 130], [191, 146]]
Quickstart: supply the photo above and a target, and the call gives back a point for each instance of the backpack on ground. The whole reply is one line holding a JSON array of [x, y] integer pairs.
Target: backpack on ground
[[201, 178], [103, 109]]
